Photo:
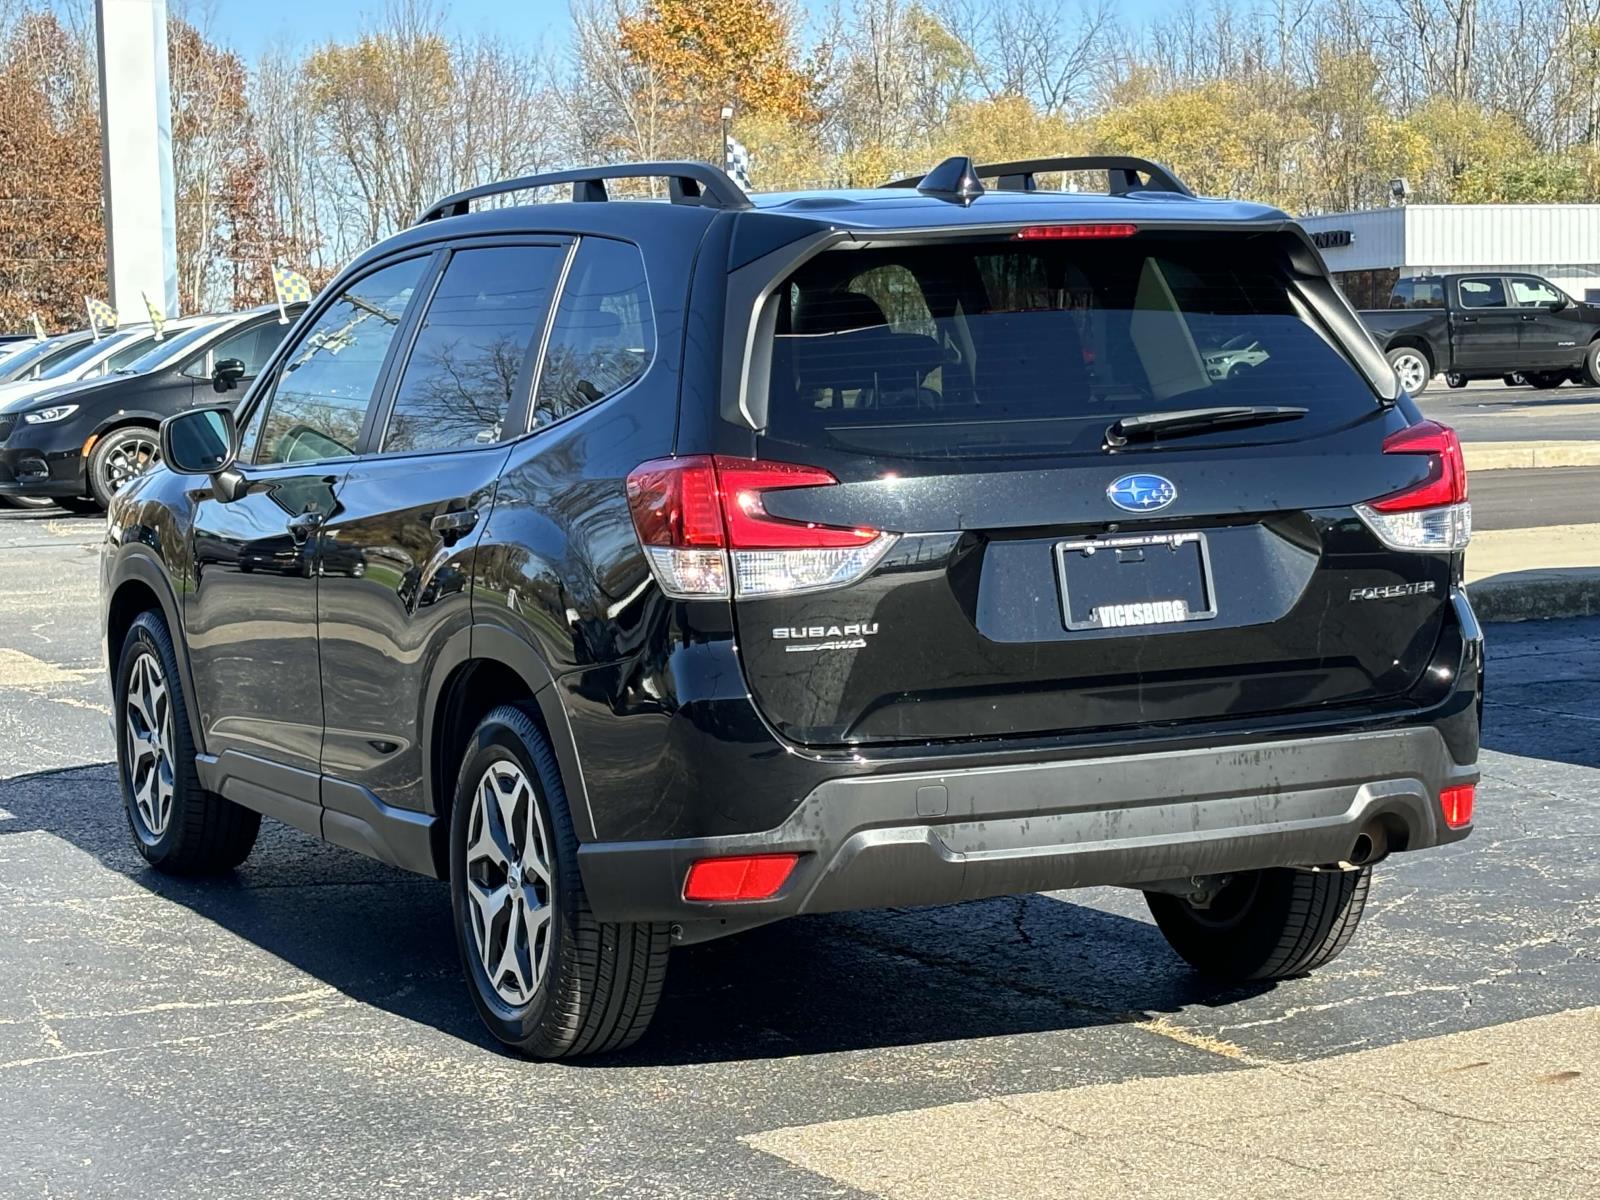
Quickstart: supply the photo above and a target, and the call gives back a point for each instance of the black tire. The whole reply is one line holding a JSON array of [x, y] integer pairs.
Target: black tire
[[1455, 379], [201, 833], [83, 505], [600, 982], [1412, 368], [118, 457], [1266, 924], [1591, 365], [1545, 380], [29, 502]]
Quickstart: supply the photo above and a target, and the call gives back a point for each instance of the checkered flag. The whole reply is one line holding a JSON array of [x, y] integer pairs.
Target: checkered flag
[[101, 316], [157, 317], [291, 288], [738, 163]]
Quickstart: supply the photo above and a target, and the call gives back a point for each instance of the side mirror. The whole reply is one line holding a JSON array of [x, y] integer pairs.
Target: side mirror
[[1555, 305], [199, 441], [227, 373]]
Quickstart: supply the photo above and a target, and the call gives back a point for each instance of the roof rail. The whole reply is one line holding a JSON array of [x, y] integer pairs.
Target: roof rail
[[687, 183], [1122, 174]]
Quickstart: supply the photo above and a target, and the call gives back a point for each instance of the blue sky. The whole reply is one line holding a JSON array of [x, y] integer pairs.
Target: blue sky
[[250, 26]]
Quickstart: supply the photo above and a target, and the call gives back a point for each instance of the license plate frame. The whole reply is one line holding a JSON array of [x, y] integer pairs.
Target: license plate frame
[[1065, 550]]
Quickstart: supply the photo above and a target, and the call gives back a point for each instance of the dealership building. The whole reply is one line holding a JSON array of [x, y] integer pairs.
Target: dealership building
[[1368, 251]]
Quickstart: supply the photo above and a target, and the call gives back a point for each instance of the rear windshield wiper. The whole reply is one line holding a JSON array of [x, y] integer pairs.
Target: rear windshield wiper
[[1195, 420]]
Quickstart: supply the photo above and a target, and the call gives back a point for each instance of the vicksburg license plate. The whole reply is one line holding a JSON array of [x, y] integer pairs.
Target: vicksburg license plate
[[1126, 582]]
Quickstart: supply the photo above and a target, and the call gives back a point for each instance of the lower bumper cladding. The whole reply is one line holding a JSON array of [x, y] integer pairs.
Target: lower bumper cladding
[[939, 838]]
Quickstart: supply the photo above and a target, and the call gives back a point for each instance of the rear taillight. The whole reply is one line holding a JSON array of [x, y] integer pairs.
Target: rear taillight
[[704, 526], [1432, 515]]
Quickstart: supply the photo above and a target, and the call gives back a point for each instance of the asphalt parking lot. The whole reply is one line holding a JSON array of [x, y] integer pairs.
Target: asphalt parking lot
[[1488, 411], [300, 1029]]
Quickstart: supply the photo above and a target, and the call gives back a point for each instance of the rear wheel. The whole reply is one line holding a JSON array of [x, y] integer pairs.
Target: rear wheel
[[177, 825], [25, 501], [548, 979], [1266, 924], [1455, 379], [1412, 369], [120, 457]]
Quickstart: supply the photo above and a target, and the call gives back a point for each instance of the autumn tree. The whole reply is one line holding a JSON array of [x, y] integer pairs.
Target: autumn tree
[[702, 54], [52, 238]]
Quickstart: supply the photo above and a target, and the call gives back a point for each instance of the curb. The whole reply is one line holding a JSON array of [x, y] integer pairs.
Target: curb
[[1507, 456], [1537, 595]]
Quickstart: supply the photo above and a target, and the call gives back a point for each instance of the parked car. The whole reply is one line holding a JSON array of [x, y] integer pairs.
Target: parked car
[[77, 443], [97, 359], [653, 571], [38, 357], [1489, 325], [11, 343]]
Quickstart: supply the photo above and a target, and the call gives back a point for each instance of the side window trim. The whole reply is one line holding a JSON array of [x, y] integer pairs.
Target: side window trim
[[372, 435], [536, 372], [263, 393]]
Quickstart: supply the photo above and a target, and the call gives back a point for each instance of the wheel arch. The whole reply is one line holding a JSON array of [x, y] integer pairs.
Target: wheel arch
[[479, 669], [139, 585]]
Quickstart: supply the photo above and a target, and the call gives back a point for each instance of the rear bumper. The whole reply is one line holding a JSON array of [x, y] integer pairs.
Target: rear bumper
[[942, 837]]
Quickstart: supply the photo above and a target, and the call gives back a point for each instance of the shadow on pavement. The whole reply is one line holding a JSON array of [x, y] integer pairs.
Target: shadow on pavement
[[811, 985], [1542, 690]]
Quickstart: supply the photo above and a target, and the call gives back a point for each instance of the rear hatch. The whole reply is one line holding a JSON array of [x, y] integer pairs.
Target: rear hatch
[[1024, 564]]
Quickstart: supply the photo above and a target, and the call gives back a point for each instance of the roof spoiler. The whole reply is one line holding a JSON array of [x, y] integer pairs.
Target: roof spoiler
[[1123, 174], [695, 183]]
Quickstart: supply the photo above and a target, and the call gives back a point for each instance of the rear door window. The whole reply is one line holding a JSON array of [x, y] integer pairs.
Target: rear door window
[[1036, 348], [604, 335], [1483, 291], [483, 321]]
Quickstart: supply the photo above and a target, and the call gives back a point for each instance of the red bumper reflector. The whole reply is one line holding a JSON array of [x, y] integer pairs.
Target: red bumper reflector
[[749, 877], [1457, 804]]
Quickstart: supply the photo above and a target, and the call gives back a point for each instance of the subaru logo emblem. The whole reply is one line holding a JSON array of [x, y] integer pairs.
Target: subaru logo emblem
[[1141, 493]]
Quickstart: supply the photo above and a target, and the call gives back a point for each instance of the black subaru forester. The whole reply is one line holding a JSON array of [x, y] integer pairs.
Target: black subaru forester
[[652, 570]]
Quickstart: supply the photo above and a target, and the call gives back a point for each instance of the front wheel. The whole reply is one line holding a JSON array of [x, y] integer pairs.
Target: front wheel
[[177, 825], [548, 979], [1412, 369], [1591, 365], [120, 457], [1269, 924], [33, 502]]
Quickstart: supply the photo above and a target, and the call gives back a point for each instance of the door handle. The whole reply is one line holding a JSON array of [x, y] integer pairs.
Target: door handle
[[1529, 318], [453, 526], [303, 526]]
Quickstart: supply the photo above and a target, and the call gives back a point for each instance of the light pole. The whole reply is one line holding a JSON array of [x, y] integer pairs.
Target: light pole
[[727, 128]]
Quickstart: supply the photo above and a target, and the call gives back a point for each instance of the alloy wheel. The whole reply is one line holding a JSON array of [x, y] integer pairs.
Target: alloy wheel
[[148, 718], [508, 883], [128, 460], [1412, 371]]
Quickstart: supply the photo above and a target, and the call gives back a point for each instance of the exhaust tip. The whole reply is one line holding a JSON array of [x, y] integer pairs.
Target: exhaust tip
[[1371, 844]]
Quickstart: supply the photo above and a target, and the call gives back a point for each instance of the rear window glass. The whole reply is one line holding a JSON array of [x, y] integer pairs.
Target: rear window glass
[[1016, 348]]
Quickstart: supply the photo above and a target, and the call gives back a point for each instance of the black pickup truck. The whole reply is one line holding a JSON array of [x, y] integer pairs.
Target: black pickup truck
[[1487, 326]]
